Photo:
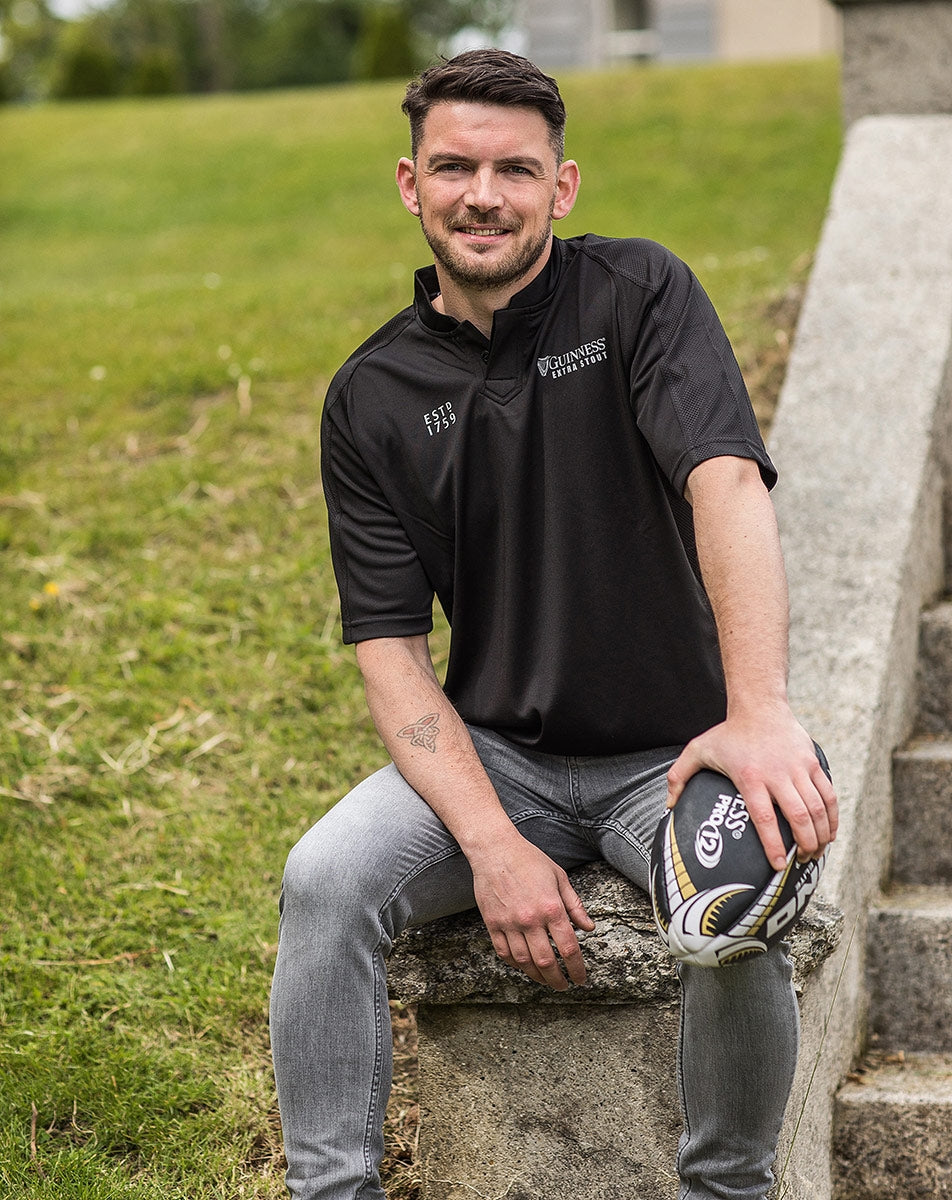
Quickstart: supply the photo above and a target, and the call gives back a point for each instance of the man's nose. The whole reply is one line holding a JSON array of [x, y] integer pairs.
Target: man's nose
[[483, 192]]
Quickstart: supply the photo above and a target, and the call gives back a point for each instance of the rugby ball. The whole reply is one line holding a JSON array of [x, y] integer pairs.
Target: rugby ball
[[716, 898]]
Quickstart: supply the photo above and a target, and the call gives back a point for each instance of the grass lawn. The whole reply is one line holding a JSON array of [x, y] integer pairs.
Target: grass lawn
[[178, 280]]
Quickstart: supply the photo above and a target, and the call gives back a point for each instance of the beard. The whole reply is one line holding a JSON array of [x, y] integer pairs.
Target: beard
[[488, 276]]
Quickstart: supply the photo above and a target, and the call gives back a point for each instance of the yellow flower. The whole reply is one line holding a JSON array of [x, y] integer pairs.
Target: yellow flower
[[51, 588]]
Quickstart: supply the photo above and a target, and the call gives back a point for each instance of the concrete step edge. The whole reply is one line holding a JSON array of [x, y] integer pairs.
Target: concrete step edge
[[926, 748], [930, 901], [940, 611], [901, 1079]]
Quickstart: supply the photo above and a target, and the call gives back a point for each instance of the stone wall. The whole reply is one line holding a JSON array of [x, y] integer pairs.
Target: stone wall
[[897, 57], [861, 438]]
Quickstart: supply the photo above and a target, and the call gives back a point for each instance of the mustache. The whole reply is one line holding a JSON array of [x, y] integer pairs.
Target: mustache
[[454, 225], [481, 221]]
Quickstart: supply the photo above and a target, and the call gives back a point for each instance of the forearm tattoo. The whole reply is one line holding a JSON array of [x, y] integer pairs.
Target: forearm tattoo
[[423, 732]]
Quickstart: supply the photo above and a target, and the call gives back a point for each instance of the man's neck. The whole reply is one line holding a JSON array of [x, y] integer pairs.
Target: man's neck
[[478, 308], [478, 305]]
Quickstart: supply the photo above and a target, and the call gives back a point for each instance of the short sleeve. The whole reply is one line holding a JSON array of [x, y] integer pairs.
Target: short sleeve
[[688, 394], [384, 591]]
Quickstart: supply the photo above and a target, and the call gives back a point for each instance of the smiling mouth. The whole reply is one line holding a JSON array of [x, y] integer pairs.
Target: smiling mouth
[[482, 230]]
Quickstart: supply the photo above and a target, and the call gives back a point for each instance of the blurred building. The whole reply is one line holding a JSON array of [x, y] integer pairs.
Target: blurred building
[[595, 33]]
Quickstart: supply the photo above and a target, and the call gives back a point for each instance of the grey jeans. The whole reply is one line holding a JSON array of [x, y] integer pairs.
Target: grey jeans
[[381, 860]]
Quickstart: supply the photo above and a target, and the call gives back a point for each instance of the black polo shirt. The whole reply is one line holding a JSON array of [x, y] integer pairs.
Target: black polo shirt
[[534, 483]]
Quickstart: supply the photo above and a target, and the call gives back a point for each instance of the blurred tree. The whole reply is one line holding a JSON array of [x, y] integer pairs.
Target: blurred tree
[[87, 62], [154, 46], [28, 35], [297, 43], [204, 35], [146, 35], [158, 71], [385, 47], [216, 59]]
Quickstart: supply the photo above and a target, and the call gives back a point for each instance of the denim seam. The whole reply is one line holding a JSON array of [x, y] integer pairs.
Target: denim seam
[[587, 825], [569, 822], [556, 818], [436, 857], [684, 1191], [374, 1098], [624, 834], [575, 786]]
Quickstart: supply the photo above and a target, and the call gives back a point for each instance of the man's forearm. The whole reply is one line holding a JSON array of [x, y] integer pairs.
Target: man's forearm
[[525, 898], [760, 746], [428, 742]]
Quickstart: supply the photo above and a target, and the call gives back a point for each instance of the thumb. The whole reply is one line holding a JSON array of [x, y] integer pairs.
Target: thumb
[[687, 763]]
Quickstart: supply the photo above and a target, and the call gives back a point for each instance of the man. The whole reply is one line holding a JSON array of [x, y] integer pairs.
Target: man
[[556, 441]]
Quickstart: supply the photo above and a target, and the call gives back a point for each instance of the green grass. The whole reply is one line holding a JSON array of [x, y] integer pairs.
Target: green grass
[[178, 281]]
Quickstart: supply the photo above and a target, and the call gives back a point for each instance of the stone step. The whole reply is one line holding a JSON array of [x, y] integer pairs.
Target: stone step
[[892, 1130], [935, 669], [922, 812], [910, 969]]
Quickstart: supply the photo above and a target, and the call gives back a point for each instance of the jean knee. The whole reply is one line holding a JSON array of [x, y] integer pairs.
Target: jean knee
[[315, 881], [336, 879]]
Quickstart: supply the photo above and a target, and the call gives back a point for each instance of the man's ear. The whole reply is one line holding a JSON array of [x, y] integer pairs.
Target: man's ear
[[406, 182], [566, 189]]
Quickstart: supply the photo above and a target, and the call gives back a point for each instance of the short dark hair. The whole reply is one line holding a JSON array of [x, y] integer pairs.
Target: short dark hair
[[486, 77]]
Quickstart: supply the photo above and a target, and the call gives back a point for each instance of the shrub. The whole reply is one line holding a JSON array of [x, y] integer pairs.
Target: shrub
[[87, 64], [157, 72], [385, 48]]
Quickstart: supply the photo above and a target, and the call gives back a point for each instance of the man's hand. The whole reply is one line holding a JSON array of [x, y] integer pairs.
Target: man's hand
[[770, 759], [530, 909]]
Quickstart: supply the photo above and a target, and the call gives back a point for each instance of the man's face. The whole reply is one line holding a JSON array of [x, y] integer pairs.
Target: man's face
[[486, 186]]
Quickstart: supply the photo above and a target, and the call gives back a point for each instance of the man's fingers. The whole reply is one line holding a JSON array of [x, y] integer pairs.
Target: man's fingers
[[545, 961], [807, 821], [762, 813], [532, 954], [827, 793], [812, 817], [566, 943], [809, 803], [536, 953], [818, 817], [574, 907], [530, 910], [513, 949]]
